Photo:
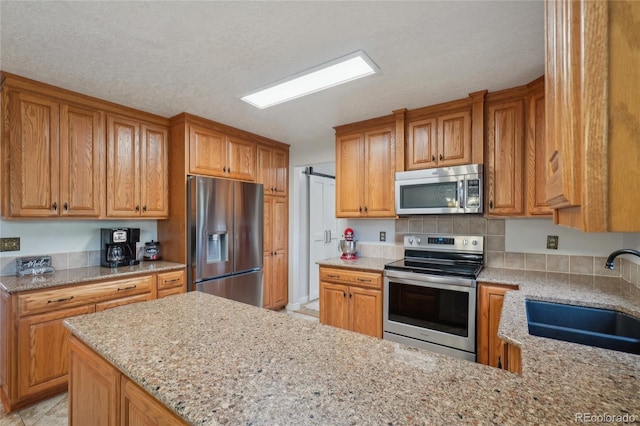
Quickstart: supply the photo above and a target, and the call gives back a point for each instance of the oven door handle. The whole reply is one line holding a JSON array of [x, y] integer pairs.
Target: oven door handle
[[431, 280]]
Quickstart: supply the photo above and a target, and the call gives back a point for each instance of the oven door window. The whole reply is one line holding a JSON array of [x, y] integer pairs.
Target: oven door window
[[429, 195], [431, 308]]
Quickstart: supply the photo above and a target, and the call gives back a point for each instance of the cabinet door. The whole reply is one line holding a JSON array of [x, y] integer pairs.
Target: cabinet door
[[139, 408], [94, 388], [43, 351], [349, 176], [536, 156], [267, 276], [563, 103], [265, 170], [422, 146], [280, 165], [33, 155], [279, 284], [334, 306], [123, 167], [154, 178], [490, 301], [379, 173], [365, 311], [82, 150], [454, 139], [505, 146], [241, 163], [207, 152]]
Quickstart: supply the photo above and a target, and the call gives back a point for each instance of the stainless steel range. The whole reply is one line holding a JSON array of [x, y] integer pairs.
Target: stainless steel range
[[430, 295]]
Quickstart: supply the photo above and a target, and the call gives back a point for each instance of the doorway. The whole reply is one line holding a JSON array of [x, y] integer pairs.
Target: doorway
[[323, 235]]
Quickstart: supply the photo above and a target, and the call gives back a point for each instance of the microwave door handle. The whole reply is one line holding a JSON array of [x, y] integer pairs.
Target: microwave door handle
[[461, 198]]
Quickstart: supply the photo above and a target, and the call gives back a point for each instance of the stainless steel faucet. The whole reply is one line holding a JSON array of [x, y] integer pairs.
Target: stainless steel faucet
[[617, 253]]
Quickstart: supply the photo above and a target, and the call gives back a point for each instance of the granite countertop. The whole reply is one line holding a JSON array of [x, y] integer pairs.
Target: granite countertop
[[213, 361], [14, 284], [362, 263]]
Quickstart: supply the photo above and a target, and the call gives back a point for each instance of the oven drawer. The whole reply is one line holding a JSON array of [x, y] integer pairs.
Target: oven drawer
[[351, 277]]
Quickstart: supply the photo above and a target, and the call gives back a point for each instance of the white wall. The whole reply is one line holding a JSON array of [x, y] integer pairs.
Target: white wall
[[530, 236], [66, 236]]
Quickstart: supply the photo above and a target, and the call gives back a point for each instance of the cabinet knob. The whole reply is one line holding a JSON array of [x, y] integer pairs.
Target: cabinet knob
[[440, 157], [224, 169], [366, 209], [433, 158], [144, 208], [360, 209], [66, 206], [491, 204], [55, 205], [228, 169], [344, 294], [350, 295], [137, 208]]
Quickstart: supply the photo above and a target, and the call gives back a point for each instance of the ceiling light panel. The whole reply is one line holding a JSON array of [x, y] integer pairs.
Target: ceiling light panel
[[341, 70]]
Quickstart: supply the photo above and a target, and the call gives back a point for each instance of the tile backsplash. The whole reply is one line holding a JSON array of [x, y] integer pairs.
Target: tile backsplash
[[77, 259], [626, 272]]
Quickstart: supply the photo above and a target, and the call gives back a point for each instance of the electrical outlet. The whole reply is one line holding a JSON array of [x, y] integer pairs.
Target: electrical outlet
[[383, 236], [10, 244], [552, 242]]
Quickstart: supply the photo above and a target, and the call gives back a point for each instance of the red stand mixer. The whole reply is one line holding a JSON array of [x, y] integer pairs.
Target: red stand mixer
[[348, 245]]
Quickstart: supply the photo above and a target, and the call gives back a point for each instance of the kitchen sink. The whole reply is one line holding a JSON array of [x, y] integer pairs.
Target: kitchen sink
[[602, 328]]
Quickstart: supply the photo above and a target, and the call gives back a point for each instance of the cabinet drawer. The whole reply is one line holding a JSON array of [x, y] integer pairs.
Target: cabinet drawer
[[170, 292], [345, 276], [58, 298], [171, 279]]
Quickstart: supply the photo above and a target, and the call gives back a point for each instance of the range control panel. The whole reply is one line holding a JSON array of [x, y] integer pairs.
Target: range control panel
[[458, 243]]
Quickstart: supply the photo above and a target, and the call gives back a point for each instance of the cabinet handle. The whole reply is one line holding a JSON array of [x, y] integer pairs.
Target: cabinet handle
[[224, 169], [440, 157], [64, 299], [333, 276], [350, 295], [128, 288], [228, 169], [55, 205], [138, 208], [499, 362], [364, 280], [433, 158], [344, 294], [366, 209], [491, 204], [360, 209], [144, 208], [175, 280], [66, 206]]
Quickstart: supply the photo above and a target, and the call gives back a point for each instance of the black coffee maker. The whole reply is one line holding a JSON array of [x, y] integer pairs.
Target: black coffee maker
[[118, 246]]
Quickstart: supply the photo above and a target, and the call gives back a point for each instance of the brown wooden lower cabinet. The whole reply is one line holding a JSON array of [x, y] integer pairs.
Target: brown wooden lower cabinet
[[491, 349], [510, 358], [351, 300], [34, 360], [100, 394]]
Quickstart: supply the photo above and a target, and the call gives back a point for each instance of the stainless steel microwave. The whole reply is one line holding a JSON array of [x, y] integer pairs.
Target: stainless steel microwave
[[445, 190]]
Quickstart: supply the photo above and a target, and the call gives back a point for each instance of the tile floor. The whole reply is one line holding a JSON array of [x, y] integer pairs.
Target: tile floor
[[54, 411]]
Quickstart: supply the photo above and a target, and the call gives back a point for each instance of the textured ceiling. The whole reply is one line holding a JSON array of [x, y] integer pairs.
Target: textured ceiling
[[200, 57]]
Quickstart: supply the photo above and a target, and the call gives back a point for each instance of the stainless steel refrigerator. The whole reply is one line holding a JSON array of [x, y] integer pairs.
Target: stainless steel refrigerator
[[225, 222]]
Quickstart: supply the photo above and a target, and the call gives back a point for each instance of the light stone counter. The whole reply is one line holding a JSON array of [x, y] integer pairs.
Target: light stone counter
[[14, 284], [215, 361], [375, 264]]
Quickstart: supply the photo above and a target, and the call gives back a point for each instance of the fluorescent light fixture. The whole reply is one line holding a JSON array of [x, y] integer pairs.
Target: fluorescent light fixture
[[342, 70]]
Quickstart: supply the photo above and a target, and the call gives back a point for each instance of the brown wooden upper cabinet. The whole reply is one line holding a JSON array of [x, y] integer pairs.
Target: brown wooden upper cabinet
[[515, 166], [592, 109], [443, 135], [214, 153], [365, 168], [55, 156], [439, 141], [273, 164], [137, 168]]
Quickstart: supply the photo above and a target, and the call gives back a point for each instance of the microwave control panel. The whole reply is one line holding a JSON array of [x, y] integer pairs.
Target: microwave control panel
[[473, 193]]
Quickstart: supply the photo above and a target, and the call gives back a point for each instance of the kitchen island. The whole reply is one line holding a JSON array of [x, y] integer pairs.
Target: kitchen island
[[211, 360]]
